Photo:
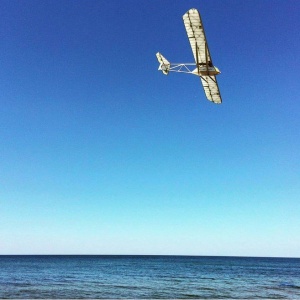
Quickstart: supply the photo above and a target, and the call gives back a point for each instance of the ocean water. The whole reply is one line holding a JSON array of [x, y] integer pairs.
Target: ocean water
[[145, 277]]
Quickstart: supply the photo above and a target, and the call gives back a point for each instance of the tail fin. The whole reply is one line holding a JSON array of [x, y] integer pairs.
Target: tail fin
[[164, 64]]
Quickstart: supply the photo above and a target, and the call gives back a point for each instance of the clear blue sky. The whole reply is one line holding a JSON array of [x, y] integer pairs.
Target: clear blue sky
[[100, 153]]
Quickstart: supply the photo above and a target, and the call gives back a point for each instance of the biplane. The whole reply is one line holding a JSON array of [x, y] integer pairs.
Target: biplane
[[203, 62]]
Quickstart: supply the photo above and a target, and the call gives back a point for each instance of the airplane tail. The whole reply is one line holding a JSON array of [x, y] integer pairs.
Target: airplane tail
[[164, 64]]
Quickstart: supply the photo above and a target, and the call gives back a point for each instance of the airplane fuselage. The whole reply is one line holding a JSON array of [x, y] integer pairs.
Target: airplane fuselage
[[208, 71]]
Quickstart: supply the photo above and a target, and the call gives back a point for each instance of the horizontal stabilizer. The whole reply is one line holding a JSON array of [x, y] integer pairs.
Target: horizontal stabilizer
[[164, 64]]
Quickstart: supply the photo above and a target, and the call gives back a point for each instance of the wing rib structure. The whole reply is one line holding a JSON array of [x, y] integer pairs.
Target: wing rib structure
[[211, 89], [196, 35]]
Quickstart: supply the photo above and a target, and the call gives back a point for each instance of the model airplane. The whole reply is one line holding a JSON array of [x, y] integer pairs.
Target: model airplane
[[203, 62]]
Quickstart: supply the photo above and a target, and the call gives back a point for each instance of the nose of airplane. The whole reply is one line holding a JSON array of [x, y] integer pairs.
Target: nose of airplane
[[217, 70]]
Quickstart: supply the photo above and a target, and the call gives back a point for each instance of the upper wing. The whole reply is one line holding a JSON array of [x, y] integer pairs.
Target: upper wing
[[196, 35], [211, 88], [195, 32]]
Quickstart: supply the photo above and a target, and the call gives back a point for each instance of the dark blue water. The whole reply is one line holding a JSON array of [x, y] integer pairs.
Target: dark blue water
[[147, 277]]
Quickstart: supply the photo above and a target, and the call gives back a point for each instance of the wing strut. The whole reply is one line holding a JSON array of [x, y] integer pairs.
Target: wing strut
[[197, 58]]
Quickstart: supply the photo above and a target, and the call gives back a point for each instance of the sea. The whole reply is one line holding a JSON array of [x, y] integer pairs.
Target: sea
[[148, 277]]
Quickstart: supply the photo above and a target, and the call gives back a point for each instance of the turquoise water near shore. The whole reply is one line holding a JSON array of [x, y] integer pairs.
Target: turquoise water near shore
[[145, 277]]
